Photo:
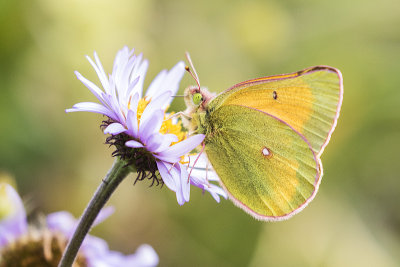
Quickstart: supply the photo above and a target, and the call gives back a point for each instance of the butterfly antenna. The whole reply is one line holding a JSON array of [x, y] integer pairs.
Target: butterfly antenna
[[192, 73]]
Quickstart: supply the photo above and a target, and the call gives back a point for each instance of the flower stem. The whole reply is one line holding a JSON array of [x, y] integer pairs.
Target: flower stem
[[114, 177]]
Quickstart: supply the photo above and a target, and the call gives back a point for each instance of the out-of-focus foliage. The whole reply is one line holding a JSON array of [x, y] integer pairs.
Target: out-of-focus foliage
[[58, 159]]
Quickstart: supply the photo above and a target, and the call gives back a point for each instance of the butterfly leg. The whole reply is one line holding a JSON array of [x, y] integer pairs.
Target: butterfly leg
[[178, 114], [207, 166], [171, 167], [194, 164]]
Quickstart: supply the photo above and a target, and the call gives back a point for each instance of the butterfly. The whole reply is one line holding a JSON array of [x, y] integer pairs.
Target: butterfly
[[264, 137]]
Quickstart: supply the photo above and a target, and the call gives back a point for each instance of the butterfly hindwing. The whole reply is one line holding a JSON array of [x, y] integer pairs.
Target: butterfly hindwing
[[266, 166]]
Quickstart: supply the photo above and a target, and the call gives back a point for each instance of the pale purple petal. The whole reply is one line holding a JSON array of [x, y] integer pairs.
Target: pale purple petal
[[159, 100], [151, 125], [158, 142], [155, 104], [180, 196], [185, 184], [154, 141], [104, 214], [112, 100], [174, 77], [167, 175], [213, 189], [167, 82], [173, 153], [202, 168], [134, 144], [114, 129], [167, 140], [97, 253], [201, 175], [172, 177], [153, 89], [15, 223], [122, 54], [138, 63], [206, 172], [115, 108], [99, 71], [121, 60], [62, 221], [167, 158], [98, 93], [142, 72], [134, 102], [145, 256], [125, 86], [126, 76], [130, 92], [132, 124], [91, 107]]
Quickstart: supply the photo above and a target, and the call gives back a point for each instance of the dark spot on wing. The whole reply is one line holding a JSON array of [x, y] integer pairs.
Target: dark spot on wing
[[274, 95]]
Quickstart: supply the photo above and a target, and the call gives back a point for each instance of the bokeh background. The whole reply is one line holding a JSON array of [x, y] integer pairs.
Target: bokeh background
[[58, 159]]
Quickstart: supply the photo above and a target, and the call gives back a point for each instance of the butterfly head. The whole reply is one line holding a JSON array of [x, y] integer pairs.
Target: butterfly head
[[193, 98], [197, 98]]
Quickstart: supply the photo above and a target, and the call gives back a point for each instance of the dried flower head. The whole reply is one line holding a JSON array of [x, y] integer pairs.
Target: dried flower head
[[42, 245]]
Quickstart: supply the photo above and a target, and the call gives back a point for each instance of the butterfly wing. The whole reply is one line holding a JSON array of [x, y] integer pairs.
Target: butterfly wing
[[308, 100], [266, 166]]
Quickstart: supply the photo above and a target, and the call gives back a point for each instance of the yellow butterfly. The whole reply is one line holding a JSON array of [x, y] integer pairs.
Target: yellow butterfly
[[264, 137]]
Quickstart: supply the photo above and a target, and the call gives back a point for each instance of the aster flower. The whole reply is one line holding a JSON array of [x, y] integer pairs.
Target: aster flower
[[43, 245], [12, 215], [141, 130]]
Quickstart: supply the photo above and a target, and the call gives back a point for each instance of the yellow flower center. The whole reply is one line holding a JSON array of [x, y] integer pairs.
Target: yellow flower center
[[38, 247], [141, 107], [167, 127]]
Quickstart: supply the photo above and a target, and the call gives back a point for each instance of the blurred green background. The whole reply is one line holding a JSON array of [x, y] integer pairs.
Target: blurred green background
[[58, 159]]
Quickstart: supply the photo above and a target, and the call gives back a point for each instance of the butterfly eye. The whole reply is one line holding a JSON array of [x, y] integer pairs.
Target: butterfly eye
[[197, 99]]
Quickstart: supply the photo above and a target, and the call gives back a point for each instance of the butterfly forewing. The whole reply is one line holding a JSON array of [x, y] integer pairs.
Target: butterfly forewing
[[308, 100]]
